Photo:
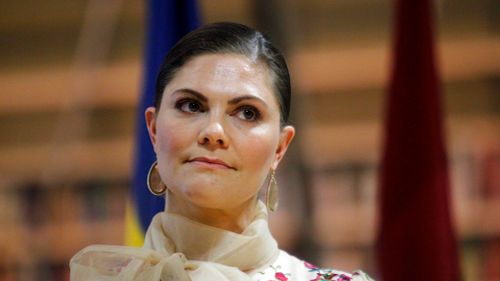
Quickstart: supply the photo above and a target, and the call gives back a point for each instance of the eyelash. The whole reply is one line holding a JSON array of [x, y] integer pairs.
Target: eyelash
[[257, 114], [182, 102]]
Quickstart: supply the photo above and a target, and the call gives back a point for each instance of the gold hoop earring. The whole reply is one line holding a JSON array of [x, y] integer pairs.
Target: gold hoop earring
[[272, 193], [155, 185]]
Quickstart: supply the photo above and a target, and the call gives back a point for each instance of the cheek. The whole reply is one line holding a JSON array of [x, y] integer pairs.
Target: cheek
[[173, 137], [259, 148]]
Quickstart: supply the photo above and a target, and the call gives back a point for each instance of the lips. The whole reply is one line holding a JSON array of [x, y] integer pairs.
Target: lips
[[211, 162]]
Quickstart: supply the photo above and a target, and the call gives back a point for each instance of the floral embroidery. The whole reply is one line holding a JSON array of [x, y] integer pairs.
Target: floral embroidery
[[278, 274], [310, 266], [326, 274]]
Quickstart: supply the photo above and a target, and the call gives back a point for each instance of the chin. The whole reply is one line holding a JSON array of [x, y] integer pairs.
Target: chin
[[204, 196]]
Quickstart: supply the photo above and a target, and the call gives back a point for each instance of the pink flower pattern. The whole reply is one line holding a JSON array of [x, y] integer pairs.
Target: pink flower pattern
[[321, 274], [325, 274], [280, 276]]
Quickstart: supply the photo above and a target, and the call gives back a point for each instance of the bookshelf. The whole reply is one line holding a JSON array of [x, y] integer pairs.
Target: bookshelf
[[338, 57]]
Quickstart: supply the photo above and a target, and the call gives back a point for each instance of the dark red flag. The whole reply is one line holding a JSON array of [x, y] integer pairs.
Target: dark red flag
[[415, 239]]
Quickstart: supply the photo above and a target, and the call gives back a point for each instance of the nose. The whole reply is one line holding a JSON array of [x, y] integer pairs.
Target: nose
[[213, 135]]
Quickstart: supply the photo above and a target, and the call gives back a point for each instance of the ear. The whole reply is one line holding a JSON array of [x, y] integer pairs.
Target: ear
[[150, 116], [286, 136]]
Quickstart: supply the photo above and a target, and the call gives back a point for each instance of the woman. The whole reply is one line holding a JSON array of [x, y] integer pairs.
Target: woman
[[218, 128]]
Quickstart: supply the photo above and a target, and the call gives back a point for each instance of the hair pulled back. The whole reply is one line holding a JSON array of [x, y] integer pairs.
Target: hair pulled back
[[228, 38]]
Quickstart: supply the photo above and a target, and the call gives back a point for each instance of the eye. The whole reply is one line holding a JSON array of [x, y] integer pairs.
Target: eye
[[189, 106], [248, 113]]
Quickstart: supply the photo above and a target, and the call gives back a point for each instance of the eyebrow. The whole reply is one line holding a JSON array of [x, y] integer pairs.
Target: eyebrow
[[246, 97], [233, 101], [193, 93]]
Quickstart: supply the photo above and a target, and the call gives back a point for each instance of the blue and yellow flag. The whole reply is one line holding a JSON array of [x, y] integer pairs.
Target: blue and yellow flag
[[166, 22]]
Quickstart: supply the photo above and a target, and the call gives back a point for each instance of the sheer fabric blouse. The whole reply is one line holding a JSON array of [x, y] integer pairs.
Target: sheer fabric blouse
[[179, 249]]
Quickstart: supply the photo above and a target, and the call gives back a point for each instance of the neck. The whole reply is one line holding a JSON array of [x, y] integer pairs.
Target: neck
[[234, 219]]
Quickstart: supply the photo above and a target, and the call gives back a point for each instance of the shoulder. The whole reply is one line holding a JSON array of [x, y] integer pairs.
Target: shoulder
[[289, 268]]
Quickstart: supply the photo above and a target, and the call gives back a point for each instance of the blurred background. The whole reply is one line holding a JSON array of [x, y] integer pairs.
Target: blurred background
[[70, 80]]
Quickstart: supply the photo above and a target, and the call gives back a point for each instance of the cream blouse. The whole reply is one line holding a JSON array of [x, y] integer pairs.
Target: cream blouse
[[179, 249]]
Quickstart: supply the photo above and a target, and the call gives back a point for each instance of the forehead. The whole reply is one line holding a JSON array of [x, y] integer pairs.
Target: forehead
[[224, 74]]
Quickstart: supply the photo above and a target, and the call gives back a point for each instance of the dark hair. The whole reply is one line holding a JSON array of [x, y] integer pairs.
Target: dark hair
[[222, 38]]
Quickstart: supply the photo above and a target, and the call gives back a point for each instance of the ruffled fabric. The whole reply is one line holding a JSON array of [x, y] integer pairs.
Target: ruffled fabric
[[113, 263], [178, 249]]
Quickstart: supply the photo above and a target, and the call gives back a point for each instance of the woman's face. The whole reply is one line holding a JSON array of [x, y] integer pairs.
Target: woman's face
[[217, 134]]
